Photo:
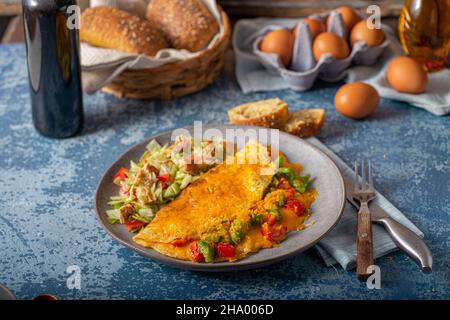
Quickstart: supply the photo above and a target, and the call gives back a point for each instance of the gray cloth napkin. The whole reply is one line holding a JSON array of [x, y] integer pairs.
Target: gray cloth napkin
[[339, 246], [252, 75]]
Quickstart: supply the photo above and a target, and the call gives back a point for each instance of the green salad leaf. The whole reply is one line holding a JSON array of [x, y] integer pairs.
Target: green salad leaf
[[172, 191], [113, 216]]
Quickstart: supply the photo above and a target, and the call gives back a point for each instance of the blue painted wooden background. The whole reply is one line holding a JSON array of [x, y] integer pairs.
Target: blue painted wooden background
[[47, 220]]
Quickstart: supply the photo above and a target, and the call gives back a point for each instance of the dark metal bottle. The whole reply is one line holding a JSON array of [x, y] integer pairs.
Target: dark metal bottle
[[53, 67]]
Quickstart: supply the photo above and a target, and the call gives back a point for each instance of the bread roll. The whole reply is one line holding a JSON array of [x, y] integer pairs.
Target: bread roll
[[134, 7], [186, 24], [112, 28]]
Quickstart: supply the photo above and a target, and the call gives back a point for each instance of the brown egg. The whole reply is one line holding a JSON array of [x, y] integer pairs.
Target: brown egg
[[349, 16], [316, 26], [361, 32], [280, 42], [406, 75], [328, 42], [356, 100]]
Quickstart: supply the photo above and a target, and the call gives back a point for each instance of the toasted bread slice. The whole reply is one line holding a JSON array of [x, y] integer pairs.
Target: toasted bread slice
[[305, 123], [270, 113]]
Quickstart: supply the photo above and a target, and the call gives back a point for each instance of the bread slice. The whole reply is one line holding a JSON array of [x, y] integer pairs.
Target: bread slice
[[271, 113], [305, 123]]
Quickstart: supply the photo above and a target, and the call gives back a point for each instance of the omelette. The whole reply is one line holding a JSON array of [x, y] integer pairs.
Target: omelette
[[230, 211]]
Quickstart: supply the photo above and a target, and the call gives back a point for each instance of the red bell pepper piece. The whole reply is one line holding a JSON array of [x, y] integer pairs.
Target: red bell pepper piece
[[289, 193], [165, 179], [278, 232], [274, 233], [297, 206], [196, 255], [179, 242], [121, 175], [134, 225], [225, 250], [271, 220]]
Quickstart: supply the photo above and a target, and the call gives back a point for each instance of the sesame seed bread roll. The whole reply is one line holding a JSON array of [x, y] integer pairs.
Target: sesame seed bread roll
[[186, 24], [112, 28]]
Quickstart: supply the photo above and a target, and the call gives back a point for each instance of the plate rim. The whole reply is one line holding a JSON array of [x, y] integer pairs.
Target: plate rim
[[7, 293], [222, 266]]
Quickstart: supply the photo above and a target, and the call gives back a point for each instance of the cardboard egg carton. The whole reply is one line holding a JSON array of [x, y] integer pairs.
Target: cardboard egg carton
[[304, 69]]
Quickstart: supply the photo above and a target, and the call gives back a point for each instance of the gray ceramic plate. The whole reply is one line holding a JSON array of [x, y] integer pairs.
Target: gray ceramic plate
[[5, 294], [326, 210]]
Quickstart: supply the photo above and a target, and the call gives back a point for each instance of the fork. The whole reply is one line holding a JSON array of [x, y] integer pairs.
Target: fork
[[363, 191]]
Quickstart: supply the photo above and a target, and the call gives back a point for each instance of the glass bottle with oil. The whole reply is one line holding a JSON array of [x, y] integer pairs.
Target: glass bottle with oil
[[424, 31]]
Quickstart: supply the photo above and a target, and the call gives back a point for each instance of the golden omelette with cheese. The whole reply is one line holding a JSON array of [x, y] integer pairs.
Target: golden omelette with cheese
[[227, 212]]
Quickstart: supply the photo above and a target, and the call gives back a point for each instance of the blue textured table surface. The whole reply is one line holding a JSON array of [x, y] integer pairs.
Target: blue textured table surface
[[47, 220]]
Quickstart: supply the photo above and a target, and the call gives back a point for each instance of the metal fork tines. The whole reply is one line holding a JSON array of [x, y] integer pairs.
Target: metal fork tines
[[363, 191], [363, 187]]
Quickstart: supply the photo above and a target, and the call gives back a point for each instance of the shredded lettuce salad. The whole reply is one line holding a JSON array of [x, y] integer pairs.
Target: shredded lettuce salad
[[160, 175]]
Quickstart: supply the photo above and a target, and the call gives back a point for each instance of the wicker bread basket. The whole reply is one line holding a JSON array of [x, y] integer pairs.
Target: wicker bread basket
[[175, 79]]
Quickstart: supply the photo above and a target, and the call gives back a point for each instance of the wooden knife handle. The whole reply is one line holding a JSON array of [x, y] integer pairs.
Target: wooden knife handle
[[364, 248]]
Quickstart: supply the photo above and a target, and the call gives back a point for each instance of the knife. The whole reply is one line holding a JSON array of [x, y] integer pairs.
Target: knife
[[403, 237]]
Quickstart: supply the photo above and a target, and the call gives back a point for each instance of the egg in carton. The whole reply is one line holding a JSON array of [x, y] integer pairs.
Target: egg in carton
[[303, 69]]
